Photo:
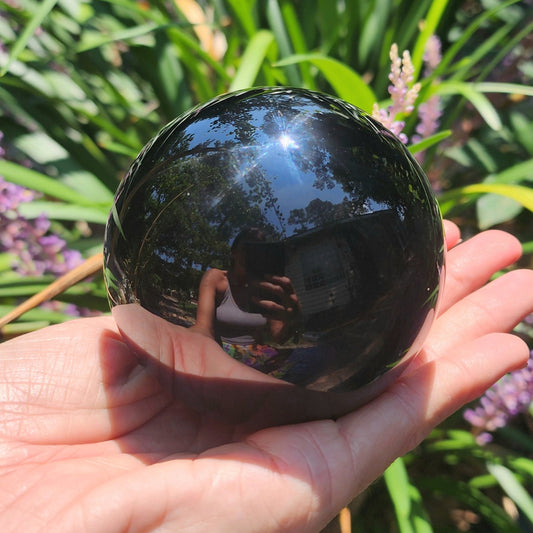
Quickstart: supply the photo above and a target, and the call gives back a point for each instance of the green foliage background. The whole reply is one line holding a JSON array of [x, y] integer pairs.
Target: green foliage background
[[85, 84]]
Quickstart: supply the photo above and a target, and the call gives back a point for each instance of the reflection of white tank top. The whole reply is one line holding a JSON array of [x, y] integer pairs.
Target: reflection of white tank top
[[234, 325]]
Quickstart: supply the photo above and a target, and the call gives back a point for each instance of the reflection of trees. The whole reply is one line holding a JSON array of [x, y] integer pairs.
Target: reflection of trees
[[192, 213], [319, 213]]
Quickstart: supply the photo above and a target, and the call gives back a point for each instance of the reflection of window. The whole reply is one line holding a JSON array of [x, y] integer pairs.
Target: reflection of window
[[321, 265]]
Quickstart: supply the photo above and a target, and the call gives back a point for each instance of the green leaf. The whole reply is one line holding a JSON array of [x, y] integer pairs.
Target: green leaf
[[522, 128], [298, 40], [61, 211], [483, 154], [118, 148], [429, 28], [473, 498], [527, 248], [243, 11], [523, 195], [91, 40], [471, 62], [252, 59], [39, 147], [345, 82], [406, 499], [522, 465], [493, 209], [19, 290], [19, 328], [424, 144], [520, 172], [454, 440], [37, 314], [507, 88], [513, 488], [40, 14], [186, 42], [419, 516], [277, 25], [6, 261], [464, 39], [169, 72], [39, 182], [471, 92], [373, 29], [106, 125], [397, 482]]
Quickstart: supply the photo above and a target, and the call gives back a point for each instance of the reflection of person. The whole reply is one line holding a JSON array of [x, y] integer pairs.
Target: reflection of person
[[246, 312], [93, 438]]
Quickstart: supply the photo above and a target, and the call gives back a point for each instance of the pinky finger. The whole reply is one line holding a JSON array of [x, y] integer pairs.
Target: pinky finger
[[405, 414]]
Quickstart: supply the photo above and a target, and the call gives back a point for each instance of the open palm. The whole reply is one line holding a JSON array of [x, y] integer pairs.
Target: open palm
[[96, 435]]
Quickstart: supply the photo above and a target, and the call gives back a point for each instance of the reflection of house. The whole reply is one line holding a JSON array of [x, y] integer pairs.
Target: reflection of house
[[334, 269], [320, 272]]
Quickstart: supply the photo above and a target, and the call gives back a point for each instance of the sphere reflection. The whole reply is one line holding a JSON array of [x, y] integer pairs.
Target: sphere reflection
[[288, 226]]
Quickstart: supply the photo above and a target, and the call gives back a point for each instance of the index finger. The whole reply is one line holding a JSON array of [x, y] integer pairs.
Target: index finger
[[452, 234], [472, 263]]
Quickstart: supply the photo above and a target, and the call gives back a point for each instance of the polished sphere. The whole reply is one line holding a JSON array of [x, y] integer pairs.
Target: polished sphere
[[289, 226]]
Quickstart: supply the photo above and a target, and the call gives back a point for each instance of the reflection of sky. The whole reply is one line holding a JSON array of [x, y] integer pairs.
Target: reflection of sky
[[289, 152], [292, 187]]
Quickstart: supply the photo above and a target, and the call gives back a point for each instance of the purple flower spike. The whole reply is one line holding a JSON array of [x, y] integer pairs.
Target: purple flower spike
[[510, 396], [36, 251], [402, 91]]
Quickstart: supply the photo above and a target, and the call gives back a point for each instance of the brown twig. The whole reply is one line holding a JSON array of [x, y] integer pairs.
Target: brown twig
[[88, 268], [345, 520]]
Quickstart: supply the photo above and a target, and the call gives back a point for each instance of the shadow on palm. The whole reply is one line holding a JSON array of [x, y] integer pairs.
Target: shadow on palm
[[207, 399]]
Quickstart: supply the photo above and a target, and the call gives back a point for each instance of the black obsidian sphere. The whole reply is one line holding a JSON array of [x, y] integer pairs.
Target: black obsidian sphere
[[290, 227]]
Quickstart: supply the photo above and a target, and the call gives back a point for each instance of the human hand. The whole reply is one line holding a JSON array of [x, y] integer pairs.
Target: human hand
[[97, 434], [276, 298]]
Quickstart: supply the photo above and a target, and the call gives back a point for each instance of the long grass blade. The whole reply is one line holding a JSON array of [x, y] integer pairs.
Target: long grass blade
[[297, 37], [513, 488], [473, 498], [63, 211], [40, 14], [450, 54], [523, 195], [32, 179], [473, 60], [424, 144], [406, 499], [429, 28], [373, 30], [472, 93], [397, 483], [186, 42], [243, 11], [345, 82], [277, 26], [92, 40], [520, 172], [252, 59], [499, 87]]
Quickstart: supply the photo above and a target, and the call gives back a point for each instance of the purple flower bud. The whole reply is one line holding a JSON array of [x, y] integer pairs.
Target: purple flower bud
[[509, 397]]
